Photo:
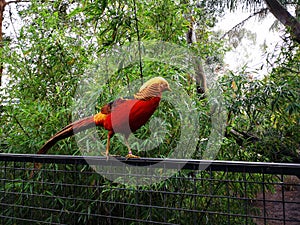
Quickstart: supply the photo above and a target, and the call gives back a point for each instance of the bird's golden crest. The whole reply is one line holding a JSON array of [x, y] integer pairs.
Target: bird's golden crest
[[152, 88], [155, 81]]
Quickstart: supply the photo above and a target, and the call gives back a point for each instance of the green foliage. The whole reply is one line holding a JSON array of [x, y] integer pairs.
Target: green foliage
[[263, 115], [44, 65]]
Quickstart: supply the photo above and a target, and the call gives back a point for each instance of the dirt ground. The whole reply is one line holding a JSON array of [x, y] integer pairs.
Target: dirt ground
[[274, 210]]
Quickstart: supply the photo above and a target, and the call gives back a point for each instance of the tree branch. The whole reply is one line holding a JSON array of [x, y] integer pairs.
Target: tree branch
[[264, 10], [16, 1], [20, 125], [283, 15], [241, 136]]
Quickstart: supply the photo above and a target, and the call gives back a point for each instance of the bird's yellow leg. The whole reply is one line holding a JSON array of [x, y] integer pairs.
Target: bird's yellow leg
[[130, 155], [110, 134], [107, 147]]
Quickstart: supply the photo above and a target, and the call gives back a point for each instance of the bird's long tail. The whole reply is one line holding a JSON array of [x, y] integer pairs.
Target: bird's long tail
[[67, 131]]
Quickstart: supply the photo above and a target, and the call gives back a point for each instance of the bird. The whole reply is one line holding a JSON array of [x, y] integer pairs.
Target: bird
[[123, 115]]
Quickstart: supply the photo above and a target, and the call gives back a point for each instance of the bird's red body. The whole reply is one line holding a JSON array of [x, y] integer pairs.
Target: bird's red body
[[127, 116]]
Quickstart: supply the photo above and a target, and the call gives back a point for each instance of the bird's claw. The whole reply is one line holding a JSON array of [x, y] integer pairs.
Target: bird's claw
[[131, 156]]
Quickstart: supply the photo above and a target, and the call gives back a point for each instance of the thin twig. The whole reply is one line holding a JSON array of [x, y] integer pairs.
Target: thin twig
[[244, 21], [139, 39], [20, 125]]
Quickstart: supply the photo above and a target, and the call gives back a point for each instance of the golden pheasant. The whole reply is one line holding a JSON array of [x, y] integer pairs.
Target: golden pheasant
[[120, 116]]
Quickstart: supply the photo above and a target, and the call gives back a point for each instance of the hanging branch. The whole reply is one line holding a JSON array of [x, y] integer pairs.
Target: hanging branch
[[139, 39]]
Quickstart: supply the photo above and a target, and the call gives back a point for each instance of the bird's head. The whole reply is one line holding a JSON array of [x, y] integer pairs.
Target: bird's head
[[157, 82], [153, 88]]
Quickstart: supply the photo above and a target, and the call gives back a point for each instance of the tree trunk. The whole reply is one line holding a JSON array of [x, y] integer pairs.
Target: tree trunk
[[200, 75], [285, 18]]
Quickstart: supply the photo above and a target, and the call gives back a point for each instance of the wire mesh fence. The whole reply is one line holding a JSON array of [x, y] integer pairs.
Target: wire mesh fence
[[67, 190]]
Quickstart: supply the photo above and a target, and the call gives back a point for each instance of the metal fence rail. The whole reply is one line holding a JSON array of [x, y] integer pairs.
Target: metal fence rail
[[68, 191]]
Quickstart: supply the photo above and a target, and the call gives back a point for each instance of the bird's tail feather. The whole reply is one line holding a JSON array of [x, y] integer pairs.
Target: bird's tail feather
[[67, 131]]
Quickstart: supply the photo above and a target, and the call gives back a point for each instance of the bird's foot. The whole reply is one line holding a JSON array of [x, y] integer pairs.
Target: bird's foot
[[105, 154], [131, 156]]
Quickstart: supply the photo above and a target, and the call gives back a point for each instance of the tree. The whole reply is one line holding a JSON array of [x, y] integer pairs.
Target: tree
[[283, 15], [191, 38]]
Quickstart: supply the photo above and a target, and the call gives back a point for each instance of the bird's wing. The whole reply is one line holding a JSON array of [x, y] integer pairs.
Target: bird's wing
[[109, 107]]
